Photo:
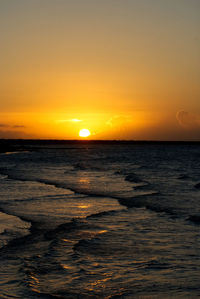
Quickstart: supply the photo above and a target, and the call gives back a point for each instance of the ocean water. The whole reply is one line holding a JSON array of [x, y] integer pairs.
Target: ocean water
[[100, 220]]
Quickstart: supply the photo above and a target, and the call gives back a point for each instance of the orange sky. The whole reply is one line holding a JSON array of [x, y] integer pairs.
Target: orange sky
[[125, 69]]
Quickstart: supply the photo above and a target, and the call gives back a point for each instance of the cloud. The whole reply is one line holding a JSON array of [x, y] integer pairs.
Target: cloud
[[75, 120], [13, 131], [18, 126], [11, 126], [118, 120], [4, 126], [14, 134], [188, 120]]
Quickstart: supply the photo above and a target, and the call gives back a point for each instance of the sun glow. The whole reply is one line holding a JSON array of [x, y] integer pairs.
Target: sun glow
[[84, 133]]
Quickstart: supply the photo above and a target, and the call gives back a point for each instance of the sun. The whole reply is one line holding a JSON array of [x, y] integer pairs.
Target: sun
[[84, 133]]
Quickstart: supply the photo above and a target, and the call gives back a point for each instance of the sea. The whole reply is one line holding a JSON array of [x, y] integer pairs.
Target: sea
[[100, 219]]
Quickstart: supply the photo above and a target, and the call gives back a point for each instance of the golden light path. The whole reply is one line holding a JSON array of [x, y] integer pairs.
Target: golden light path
[[84, 133]]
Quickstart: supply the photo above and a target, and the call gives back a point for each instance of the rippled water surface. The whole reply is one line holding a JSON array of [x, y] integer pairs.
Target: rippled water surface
[[100, 220]]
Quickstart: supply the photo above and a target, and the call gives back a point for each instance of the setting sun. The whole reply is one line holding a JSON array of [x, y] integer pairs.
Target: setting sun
[[84, 133]]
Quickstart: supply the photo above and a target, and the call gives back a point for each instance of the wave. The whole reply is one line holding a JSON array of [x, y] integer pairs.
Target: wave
[[81, 189], [132, 177], [130, 200], [72, 294], [45, 295], [74, 224], [3, 176], [88, 166], [16, 152], [197, 186], [12, 227], [158, 265], [44, 198], [194, 218], [104, 213], [32, 179], [151, 202], [140, 196], [183, 177]]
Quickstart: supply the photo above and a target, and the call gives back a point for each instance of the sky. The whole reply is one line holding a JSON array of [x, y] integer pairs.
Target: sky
[[123, 69]]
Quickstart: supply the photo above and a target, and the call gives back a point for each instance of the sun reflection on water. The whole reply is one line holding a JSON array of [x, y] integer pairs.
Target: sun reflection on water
[[84, 180], [84, 206]]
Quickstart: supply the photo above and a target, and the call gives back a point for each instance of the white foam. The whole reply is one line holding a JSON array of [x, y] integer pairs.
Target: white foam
[[12, 227]]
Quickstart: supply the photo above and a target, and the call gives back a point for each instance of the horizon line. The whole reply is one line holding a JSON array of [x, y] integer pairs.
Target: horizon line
[[95, 140]]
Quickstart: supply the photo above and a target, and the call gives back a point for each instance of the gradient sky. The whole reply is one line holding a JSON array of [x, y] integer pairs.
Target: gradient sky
[[124, 69]]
